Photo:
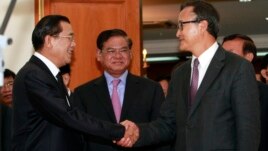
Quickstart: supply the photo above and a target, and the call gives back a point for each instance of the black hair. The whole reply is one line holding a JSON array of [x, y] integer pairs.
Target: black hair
[[107, 34], [48, 25], [205, 11], [264, 62], [65, 69], [248, 46], [9, 73]]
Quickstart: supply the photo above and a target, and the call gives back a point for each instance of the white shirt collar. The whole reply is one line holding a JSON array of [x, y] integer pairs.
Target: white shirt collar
[[206, 57], [110, 78], [204, 61], [51, 66]]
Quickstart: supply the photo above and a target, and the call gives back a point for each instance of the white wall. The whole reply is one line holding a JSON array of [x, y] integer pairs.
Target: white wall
[[19, 28]]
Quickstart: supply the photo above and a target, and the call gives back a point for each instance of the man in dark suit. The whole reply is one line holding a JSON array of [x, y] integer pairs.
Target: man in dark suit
[[6, 99], [44, 117], [244, 46], [222, 111], [140, 98]]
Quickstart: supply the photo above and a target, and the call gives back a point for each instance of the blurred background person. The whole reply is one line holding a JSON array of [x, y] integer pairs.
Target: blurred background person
[[264, 68], [66, 73], [6, 110], [164, 83], [244, 46]]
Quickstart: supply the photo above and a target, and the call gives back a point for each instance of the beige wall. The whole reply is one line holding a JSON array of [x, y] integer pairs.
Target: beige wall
[[19, 28]]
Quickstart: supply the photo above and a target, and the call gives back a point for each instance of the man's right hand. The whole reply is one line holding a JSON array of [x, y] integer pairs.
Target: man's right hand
[[131, 134]]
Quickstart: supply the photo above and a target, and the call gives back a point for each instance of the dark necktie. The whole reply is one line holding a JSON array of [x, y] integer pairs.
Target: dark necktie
[[116, 100], [63, 88], [194, 82]]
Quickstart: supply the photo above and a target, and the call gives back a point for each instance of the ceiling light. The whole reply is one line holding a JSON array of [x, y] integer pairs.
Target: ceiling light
[[262, 53], [244, 0], [266, 18], [159, 59]]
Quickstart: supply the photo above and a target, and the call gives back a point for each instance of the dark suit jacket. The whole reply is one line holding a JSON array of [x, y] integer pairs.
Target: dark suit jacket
[[42, 119], [263, 88], [142, 100], [225, 114], [5, 127]]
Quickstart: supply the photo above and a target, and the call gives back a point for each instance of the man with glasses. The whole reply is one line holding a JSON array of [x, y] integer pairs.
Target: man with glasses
[[212, 102], [6, 99], [44, 117], [139, 99]]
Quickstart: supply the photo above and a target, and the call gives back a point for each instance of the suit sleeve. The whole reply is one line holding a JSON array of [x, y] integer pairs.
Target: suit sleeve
[[159, 98], [245, 104], [163, 129], [45, 97]]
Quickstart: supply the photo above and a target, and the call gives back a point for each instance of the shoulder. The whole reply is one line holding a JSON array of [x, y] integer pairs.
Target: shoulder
[[183, 67], [90, 84], [141, 80]]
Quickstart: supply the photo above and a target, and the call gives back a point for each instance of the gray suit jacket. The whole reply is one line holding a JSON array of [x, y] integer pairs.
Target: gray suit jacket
[[225, 114]]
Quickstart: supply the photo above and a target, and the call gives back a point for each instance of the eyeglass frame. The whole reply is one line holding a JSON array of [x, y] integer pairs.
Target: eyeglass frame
[[69, 37], [113, 51], [181, 23], [8, 85]]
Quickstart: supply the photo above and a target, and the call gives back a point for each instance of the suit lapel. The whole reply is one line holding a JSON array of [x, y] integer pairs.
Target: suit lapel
[[43, 66], [211, 74], [102, 92], [131, 90], [186, 83]]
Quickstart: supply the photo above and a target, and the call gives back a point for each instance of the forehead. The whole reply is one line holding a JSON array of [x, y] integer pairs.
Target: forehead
[[116, 41], [187, 13], [235, 43], [8, 79], [66, 27]]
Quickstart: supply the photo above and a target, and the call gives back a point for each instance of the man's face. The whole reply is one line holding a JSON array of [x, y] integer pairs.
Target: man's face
[[189, 34], [66, 79], [164, 84], [115, 56], [62, 45], [236, 46], [6, 91]]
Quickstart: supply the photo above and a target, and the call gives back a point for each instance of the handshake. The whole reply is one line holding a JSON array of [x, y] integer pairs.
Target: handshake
[[131, 134]]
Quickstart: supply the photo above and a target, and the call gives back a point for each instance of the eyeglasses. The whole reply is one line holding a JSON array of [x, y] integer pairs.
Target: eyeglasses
[[8, 85], [69, 37], [113, 51], [181, 23]]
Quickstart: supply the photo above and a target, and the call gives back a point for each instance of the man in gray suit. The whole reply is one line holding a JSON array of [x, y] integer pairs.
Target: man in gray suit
[[244, 46], [224, 113]]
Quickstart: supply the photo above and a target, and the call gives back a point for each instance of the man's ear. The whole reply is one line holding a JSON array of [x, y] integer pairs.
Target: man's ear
[[204, 25], [48, 41], [249, 56], [98, 54]]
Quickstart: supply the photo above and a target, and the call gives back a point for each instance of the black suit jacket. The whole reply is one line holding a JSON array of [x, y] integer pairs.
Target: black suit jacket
[[225, 114], [263, 88], [5, 127], [142, 101], [42, 119]]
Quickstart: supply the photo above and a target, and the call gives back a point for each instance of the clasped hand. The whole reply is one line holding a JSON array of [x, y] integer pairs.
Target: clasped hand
[[131, 134]]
